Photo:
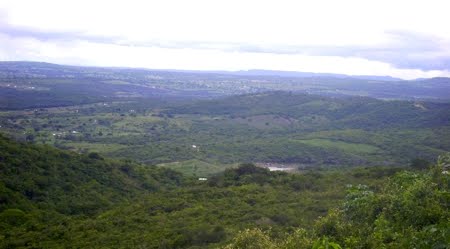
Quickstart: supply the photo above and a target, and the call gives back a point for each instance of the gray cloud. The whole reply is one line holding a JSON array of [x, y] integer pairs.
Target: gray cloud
[[406, 50], [50, 36], [410, 50]]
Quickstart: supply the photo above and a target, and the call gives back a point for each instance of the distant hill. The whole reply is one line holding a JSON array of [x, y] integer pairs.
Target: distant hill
[[282, 127], [295, 74], [349, 112], [38, 84]]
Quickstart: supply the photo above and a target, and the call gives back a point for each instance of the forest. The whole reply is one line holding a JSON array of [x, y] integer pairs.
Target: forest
[[51, 198]]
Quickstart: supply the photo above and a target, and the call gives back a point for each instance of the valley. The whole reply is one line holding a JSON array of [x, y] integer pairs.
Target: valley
[[118, 158], [274, 127]]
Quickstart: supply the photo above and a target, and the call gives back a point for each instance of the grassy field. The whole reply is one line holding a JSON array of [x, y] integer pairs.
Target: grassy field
[[98, 147], [264, 128], [340, 145], [197, 168]]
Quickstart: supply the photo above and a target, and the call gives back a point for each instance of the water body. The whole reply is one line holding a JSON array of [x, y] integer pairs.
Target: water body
[[272, 168]]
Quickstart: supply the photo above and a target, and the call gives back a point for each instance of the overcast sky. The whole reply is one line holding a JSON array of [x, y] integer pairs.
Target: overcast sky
[[406, 39]]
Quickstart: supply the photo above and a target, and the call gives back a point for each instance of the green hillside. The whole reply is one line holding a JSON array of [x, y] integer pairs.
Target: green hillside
[[34, 177], [51, 198], [410, 211], [276, 127], [326, 112]]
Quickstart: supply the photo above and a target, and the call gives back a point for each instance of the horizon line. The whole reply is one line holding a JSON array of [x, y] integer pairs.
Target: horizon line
[[319, 74]]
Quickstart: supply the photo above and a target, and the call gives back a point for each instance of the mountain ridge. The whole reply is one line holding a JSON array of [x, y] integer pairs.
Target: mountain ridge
[[248, 72]]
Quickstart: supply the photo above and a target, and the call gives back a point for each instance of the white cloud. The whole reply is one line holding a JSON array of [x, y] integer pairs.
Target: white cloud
[[217, 24]]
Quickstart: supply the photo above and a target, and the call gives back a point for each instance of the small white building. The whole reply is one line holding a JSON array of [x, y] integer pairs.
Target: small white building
[[202, 178]]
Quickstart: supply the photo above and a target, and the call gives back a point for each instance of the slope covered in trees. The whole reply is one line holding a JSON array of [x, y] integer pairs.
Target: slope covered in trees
[[349, 112], [410, 211], [43, 189], [51, 198], [42, 177]]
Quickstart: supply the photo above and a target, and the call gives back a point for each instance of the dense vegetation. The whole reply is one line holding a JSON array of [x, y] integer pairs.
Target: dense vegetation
[[51, 198], [283, 128], [410, 211], [69, 183]]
